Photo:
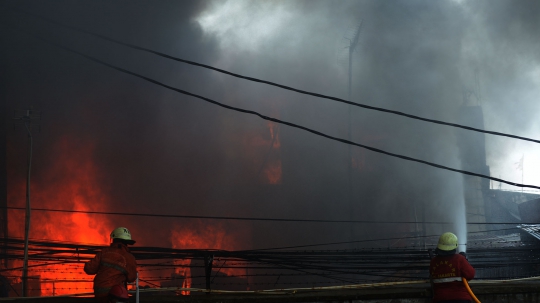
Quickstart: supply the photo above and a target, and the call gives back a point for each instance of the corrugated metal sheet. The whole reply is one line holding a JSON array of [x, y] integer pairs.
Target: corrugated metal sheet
[[532, 229]]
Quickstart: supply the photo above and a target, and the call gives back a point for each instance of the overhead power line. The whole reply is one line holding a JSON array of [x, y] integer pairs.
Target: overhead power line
[[91, 212], [273, 83], [93, 59], [376, 240]]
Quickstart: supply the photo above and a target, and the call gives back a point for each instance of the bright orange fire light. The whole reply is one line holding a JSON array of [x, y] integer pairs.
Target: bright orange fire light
[[272, 171], [203, 236], [71, 183]]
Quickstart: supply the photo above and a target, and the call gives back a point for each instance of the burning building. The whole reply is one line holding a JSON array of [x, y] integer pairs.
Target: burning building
[[117, 144]]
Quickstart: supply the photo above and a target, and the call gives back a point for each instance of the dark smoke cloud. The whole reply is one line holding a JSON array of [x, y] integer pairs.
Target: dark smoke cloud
[[166, 153]]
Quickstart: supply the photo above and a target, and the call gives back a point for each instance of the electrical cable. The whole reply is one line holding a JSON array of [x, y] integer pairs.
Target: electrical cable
[[252, 218], [376, 150], [395, 263], [371, 240], [163, 55]]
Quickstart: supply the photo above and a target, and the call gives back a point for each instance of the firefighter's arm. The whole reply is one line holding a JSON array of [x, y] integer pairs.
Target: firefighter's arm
[[91, 267], [131, 268], [467, 271]]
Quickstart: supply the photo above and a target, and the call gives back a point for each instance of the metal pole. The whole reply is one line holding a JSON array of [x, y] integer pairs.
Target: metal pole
[[349, 154], [137, 289], [3, 169], [208, 260], [522, 169], [352, 46], [27, 217], [351, 49], [424, 225]]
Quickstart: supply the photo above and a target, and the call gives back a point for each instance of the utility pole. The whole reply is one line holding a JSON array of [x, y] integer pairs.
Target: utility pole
[[26, 119], [3, 165], [352, 47]]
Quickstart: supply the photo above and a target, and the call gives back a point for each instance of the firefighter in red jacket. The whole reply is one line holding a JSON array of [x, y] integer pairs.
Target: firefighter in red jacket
[[114, 265], [447, 270]]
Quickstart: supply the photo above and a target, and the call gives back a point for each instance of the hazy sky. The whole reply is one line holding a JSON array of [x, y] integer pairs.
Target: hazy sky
[[495, 40]]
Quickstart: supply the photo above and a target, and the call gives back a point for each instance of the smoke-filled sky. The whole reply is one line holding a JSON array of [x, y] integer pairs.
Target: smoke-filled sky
[[128, 145]]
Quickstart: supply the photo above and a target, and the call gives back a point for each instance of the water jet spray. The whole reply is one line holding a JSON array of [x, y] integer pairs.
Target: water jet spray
[[460, 224]]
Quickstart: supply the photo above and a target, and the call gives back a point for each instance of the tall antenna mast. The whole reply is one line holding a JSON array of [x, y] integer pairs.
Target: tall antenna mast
[[352, 47], [477, 85]]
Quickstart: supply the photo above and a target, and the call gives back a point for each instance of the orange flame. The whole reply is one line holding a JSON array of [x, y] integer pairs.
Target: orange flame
[[272, 171], [71, 183], [203, 236]]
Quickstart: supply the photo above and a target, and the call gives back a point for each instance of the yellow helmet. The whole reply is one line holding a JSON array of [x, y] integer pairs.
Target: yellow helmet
[[122, 233], [447, 242]]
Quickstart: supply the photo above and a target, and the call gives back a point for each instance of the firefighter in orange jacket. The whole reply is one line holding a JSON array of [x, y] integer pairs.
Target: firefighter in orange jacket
[[114, 265], [447, 270]]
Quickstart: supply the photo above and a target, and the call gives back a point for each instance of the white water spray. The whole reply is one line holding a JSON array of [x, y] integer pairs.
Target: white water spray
[[460, 224]]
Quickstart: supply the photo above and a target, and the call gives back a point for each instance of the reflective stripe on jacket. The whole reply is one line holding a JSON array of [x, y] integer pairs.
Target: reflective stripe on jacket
[[446, 280]]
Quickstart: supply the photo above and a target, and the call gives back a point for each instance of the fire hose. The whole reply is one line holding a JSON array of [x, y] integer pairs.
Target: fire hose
[[469, 290]]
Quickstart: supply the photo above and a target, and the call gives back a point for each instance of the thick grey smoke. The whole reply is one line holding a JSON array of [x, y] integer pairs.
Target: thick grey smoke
[[163, 152]]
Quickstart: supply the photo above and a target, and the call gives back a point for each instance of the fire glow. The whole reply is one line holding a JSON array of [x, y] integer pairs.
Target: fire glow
[[202, 236], [272, 171], [71, 184]]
